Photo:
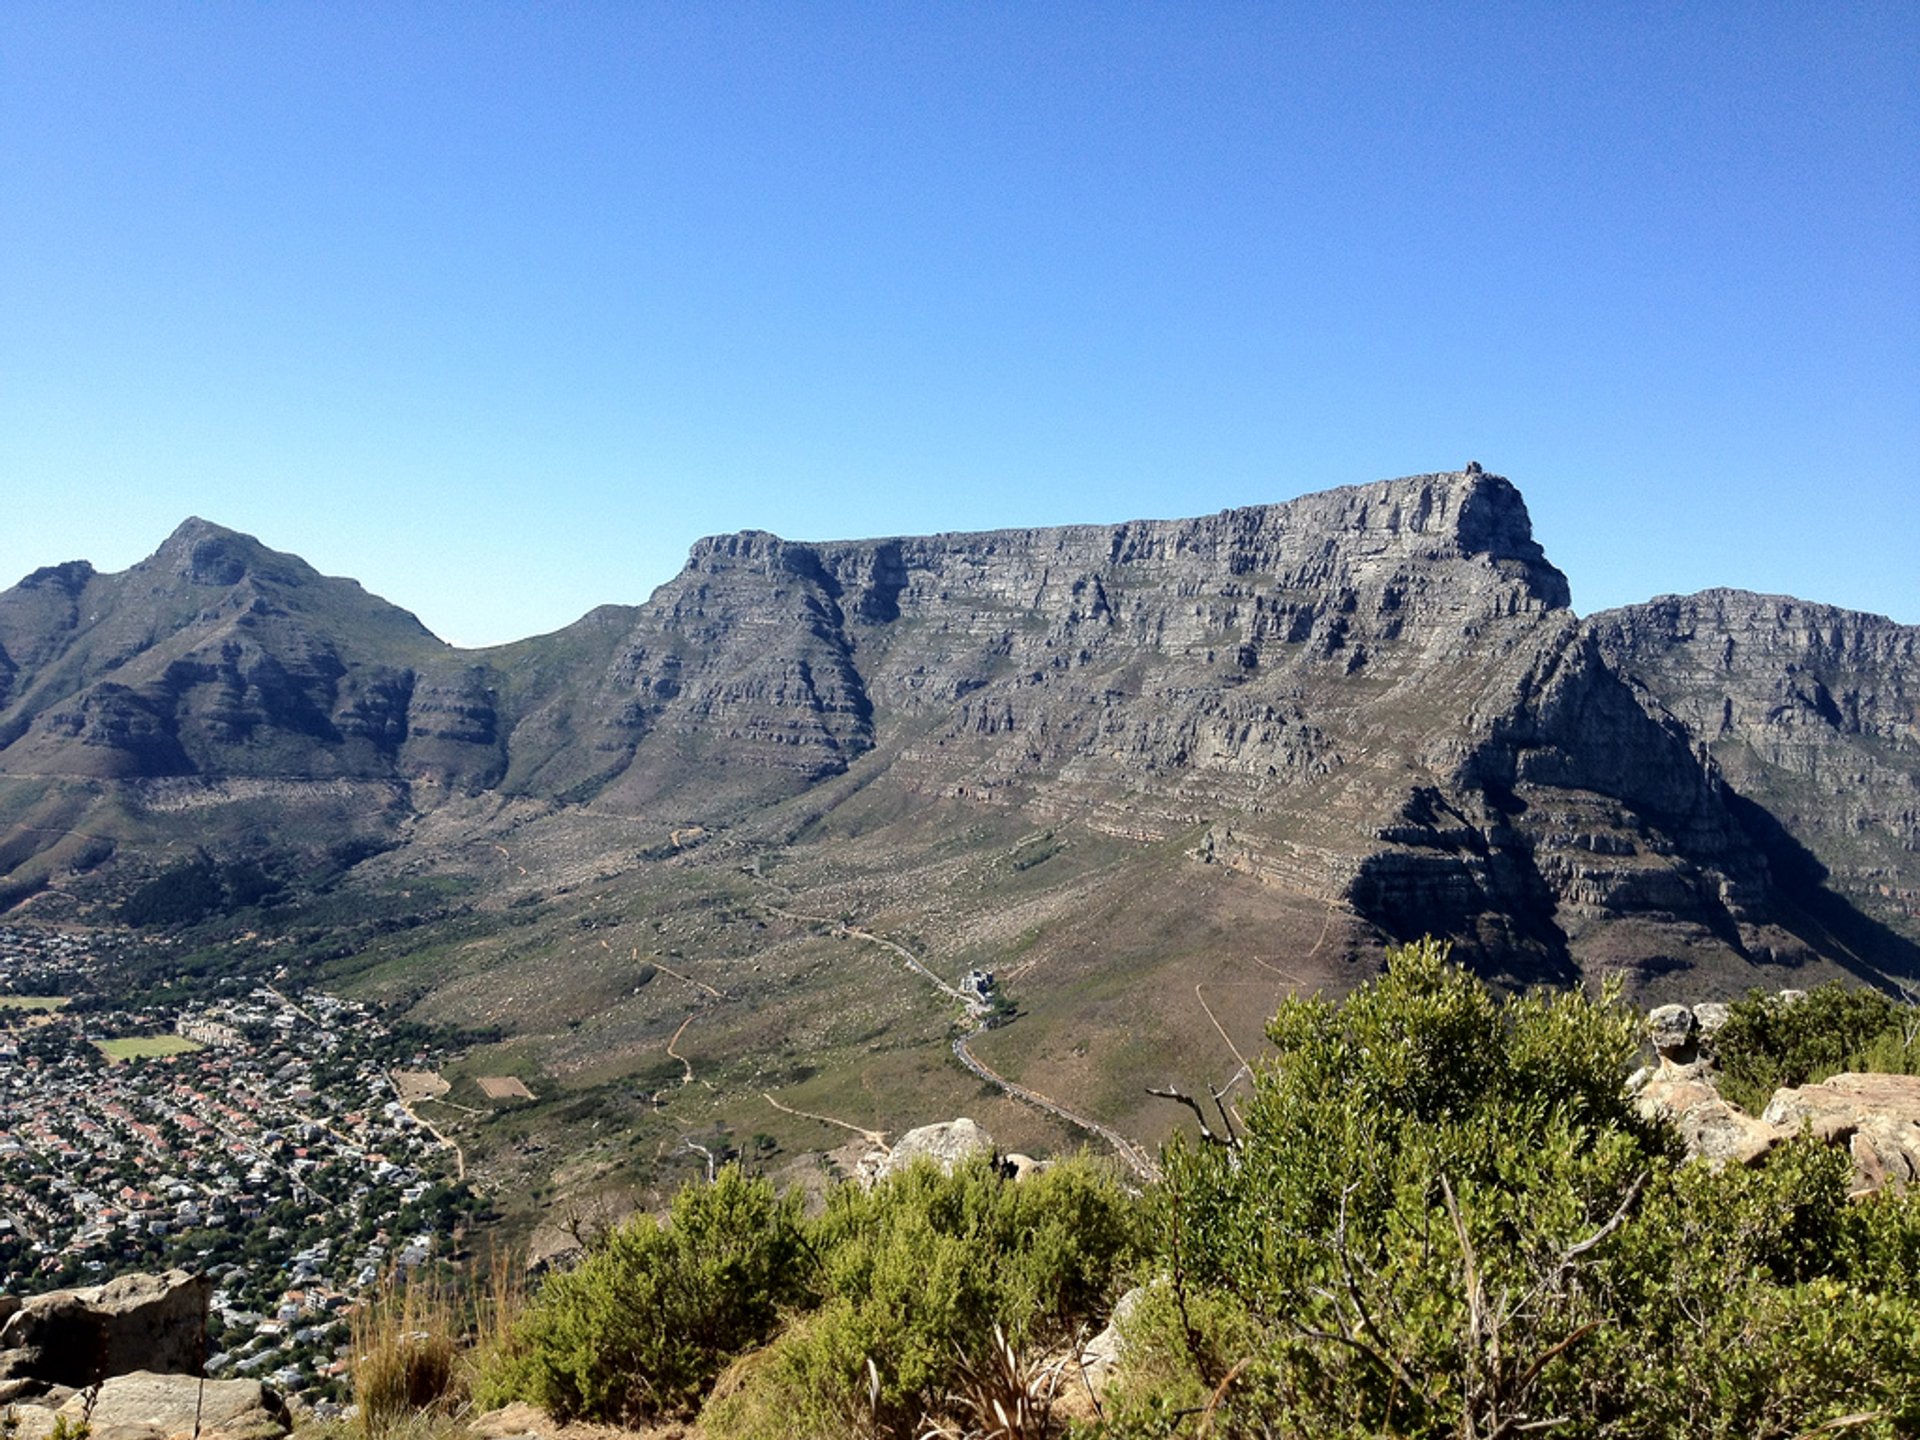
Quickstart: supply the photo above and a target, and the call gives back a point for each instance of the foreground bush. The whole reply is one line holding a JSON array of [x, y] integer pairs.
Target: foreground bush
[[1443, 1219], [641, 1328], [1767, 1043], [940, 1294], [1438, 1216]]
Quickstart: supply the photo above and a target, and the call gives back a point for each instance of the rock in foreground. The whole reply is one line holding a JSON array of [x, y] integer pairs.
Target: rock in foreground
[[136, 1322]]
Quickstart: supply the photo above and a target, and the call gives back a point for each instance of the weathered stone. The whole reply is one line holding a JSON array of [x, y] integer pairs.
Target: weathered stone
[[1712, 1128], [1671, 1028], [1877, 1116], [32, 1422], [136, 1322], [1103, 1352], [947, 1144], [143, 1405], [1710, 1018]]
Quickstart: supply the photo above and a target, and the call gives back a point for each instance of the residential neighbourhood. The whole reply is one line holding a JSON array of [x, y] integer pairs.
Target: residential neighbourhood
[[248, 1132]]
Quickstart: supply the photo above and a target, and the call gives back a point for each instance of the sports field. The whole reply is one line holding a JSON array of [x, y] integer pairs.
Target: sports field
[[146, 1047]]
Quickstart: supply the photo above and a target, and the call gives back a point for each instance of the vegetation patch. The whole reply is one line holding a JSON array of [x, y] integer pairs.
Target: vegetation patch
[[1436, 1214], [1769, 1042]]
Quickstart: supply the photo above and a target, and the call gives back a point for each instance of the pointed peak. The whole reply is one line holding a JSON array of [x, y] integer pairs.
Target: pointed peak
[[194, 528], [208, 554]]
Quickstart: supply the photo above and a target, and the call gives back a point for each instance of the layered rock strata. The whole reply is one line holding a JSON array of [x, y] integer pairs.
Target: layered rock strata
[[1375, 696]]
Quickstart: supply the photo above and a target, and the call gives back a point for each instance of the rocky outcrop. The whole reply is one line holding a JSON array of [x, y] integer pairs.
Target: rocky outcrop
[[124, 1360], [1711, 1128], [1877, 1117], [1680, 1089], [147, 1406], [947, 1144], [136, 1322]]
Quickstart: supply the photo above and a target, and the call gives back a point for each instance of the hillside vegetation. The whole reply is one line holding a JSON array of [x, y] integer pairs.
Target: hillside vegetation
[[1434, 1214]]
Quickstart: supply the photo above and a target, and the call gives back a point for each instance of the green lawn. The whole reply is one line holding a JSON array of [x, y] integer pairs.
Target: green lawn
[[32, 1002], [142, 1047]]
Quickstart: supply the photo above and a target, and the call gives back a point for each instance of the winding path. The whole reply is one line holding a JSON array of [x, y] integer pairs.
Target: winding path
[[1131, 1154]]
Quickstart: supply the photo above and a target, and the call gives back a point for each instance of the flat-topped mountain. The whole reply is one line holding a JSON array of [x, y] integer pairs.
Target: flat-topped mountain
[[1369, 703]]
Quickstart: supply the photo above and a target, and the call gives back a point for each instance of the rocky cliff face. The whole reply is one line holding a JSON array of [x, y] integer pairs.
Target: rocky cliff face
[[1808, 712], [1373, 696]]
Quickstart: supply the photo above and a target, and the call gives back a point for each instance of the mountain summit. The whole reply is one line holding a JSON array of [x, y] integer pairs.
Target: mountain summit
[[1373, 699]]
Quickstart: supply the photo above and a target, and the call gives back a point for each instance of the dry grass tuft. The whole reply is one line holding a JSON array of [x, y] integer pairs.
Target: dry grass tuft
[[406, 1359]]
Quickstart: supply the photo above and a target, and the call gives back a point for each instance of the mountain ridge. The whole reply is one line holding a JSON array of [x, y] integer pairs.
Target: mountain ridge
[[1377, 695]]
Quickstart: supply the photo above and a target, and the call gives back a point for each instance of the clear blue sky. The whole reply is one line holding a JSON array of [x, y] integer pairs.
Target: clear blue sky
[[496, 308]]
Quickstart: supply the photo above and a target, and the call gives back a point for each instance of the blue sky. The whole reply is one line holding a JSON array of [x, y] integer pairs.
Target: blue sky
[[498, 308]]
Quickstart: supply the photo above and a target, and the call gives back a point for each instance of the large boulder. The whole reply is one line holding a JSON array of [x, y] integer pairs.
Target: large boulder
[[947, 1144], [136, 1322], [1712, 1127], [144, 1405], [1876, 1116]]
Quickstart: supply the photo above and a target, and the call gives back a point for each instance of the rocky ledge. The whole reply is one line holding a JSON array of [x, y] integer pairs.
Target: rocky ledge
[[123, 1359], [1876, 1117]]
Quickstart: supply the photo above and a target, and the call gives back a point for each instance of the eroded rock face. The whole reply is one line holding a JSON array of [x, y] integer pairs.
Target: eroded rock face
[[1811, 714], [1712, 1128], [1376, 696], [136, 1322], [1672, 1029], [1876, 1116]]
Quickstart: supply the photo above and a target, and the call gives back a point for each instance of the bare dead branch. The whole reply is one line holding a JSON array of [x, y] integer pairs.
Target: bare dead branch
[[1180, 1097]]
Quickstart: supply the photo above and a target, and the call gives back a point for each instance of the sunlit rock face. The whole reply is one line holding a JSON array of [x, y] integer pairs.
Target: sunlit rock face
[[1375, 696]]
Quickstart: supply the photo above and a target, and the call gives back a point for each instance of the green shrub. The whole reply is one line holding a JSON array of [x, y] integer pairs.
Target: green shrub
[[641, 1328], [1444, 1219], [932, 1284], [1767, 1042], [1757, 1303]]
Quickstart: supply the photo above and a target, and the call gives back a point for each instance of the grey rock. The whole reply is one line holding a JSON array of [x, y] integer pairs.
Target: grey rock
[[946, 1144], [1104, 1351], [143, 1405], [1671, 1029], [32, 1421], [135, 1322], [1710, 1018]]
